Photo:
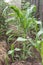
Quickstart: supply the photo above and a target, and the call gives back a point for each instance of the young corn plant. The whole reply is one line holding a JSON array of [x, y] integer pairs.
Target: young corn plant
[[11, 52], [38, 42], [25, 20]]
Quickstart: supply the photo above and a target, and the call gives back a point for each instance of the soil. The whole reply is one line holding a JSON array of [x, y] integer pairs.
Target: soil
[[3, 54], [26, 63]]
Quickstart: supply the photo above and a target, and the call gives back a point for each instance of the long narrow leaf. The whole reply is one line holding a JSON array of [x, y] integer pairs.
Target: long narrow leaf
[[10, 19], [30, 10], [40, 32], [17, 10]]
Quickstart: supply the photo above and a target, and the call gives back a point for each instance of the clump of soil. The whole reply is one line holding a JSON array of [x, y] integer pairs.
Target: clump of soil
[[3, 52], [17, 63], [26, 63]]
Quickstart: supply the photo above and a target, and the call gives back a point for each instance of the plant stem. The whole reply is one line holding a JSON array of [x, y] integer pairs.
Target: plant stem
[[24, 47], [12, 58], [23, 50], [42, 51]]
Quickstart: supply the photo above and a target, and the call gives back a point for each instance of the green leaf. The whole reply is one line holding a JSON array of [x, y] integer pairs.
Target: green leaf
[[33, 8], [11, 14], [17, 49], [42, 49], [8, 32], [27, 4], [10, 19], [4, 11], [37, 45], [11, 36], [39, 22], [12, 46], [17, 10], [30, 10], [21, 39], [10, 51], [40, 32]]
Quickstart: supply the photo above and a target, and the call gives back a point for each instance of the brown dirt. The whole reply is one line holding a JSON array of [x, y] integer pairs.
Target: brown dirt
[[3, 51], [26, 63]]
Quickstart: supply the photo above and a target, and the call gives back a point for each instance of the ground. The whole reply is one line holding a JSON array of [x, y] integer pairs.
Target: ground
[[3, 53]]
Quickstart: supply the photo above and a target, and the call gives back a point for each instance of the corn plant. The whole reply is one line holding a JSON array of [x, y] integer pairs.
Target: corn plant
[[38, 42], [25, 20]]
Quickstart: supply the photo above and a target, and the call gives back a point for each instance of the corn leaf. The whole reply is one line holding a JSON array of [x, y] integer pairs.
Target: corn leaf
[[8, 32], [17, 10], [21, 39], [17, 49], [10, 51]]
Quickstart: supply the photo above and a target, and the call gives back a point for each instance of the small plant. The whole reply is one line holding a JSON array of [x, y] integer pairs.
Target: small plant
[[11, 52], [25, 20], [3, 24], [39, 41], [10, 35]]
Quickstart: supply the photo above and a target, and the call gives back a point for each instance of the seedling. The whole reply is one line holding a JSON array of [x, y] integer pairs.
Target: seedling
[[26, 21]]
